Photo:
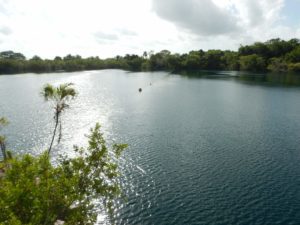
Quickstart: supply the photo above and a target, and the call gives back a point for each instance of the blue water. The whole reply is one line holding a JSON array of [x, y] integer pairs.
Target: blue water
[[212, 148]]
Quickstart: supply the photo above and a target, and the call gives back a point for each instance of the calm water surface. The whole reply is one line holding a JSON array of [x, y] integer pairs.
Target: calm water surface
[[212, 148]]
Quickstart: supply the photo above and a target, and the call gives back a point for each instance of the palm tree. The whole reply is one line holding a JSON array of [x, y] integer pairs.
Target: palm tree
[[3, 122], [60, 96]]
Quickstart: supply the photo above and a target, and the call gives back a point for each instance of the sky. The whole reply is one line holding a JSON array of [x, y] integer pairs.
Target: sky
[[107, 28]]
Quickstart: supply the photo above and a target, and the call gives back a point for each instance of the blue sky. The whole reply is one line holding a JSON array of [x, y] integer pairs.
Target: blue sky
[[291, 13], [107, 28]]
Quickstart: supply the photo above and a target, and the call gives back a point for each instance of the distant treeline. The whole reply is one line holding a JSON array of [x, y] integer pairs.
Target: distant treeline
[[273, 55]]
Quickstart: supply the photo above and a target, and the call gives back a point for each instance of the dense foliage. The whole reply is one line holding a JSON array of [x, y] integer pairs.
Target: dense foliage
[[33, 191], [273, 55]]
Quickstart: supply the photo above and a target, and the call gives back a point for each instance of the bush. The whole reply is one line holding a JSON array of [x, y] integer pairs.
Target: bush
[[33, 191], [294, 67], [277, 65], [252, 63]]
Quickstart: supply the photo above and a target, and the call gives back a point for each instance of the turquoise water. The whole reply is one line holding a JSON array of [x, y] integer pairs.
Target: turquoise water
[[212, 148]]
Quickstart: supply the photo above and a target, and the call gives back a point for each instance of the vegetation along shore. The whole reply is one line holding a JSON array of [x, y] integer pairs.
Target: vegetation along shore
[[273, 55]]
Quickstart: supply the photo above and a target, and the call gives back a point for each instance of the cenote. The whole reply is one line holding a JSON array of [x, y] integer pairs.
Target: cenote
[[204, 148]]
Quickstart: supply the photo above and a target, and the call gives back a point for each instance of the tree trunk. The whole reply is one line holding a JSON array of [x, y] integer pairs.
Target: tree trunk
[[3, 149], [54, 132]]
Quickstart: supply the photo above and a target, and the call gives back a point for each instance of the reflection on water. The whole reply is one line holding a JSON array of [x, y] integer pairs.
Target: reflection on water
[[288, 79], [284, 79], [216, 148]]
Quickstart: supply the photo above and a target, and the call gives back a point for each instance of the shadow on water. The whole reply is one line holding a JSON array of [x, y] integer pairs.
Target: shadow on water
[[265, 79]]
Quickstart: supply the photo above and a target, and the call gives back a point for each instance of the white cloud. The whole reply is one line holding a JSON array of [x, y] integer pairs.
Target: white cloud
[[113, 27], [219, 17], [201, 17], [4, 30], [100, 36], [226, 23]]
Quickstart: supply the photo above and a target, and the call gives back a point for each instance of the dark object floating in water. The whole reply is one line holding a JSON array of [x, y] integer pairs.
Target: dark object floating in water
[[140, 89]]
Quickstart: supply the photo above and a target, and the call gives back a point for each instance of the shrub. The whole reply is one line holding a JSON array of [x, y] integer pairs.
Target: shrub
[[33, 191]]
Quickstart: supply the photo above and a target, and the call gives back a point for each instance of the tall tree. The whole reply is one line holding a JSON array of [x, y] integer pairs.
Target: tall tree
[[59, 96]]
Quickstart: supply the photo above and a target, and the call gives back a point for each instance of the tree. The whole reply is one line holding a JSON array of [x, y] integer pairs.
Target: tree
[[57, 58], [145, 55], [231, 60], [60, 96], [294, 67], [293, 56], [3, 122], [134, 62], [159, 61], [252, 63], [36, 58], [12, 55], [174, 62], [277, 65], [33, 191], [213, 60], [258, 56], [193, 60]]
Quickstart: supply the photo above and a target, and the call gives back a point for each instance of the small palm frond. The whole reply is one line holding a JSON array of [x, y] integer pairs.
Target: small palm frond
[[49, 92], [63, 92], [66, 91]]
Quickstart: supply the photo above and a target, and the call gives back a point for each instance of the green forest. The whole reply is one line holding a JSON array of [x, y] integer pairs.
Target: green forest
[[273, 55]]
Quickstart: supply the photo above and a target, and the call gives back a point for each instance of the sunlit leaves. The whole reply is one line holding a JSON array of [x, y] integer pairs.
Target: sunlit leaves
[[33, 191]]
